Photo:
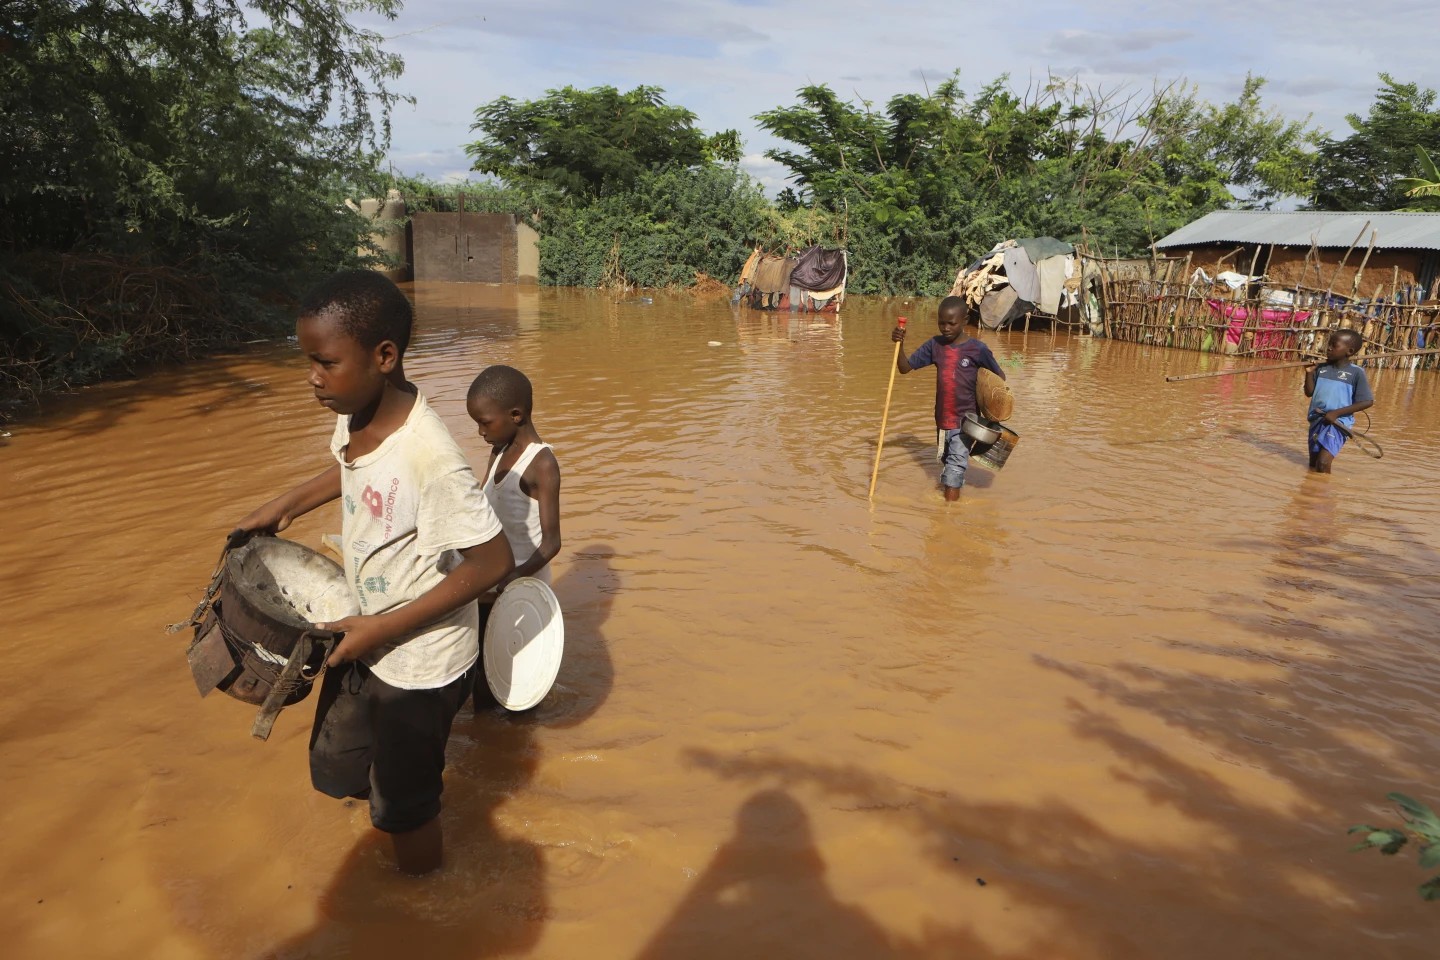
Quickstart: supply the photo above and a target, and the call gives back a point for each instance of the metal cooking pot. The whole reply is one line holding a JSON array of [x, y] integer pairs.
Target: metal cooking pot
[[267, 596], [977, 430]]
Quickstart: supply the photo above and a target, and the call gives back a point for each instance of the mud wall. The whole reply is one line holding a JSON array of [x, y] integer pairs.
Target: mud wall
[[1287, 267]]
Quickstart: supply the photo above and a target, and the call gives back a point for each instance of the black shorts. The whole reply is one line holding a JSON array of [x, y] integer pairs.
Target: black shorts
[[382, 743], [482, 697]]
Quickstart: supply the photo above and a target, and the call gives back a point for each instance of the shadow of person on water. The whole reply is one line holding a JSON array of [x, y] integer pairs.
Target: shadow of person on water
[[764, 895]]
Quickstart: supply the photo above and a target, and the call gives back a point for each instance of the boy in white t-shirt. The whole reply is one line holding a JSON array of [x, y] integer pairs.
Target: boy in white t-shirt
[[421, 543], [522, 482]]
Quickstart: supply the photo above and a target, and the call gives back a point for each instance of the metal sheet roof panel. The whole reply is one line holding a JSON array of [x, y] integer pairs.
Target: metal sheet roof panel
[[1393, 231]]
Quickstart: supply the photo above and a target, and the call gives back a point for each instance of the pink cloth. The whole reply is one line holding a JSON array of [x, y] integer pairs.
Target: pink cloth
[[1266, 337]]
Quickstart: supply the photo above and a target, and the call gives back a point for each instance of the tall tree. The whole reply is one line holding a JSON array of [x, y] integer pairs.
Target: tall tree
[[585, 143], [175, 142], [1365, 170], [931, 181]]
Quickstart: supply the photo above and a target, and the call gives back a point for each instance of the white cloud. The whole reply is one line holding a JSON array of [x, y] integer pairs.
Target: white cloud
[[1070, 42], [772, 176], [729, 59]]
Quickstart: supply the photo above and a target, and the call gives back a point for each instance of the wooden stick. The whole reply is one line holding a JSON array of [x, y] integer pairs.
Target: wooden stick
[[1394, 285], [1175, 317], [1295, 365], [1355, 284], [1254, 259], [1351, 249], [1305, 272], [1107, 290], [885, 417]]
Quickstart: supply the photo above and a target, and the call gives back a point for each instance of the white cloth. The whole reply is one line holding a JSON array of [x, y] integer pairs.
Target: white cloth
[[1021, 273], [1235, 280], [406, 507], [518, 512], [1051, 274]]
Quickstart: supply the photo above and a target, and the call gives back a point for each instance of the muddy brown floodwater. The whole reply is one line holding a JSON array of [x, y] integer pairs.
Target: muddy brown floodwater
[[1138, 683]]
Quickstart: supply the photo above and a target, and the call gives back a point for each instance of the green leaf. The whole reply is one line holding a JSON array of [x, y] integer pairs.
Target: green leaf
[[1388, 842], [1427, 166], [1416, 813]]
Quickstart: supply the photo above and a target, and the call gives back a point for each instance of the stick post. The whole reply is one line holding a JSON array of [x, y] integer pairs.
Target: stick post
[[885, 417]]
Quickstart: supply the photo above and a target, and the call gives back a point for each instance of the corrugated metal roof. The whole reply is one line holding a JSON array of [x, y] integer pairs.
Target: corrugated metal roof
[[1393, 231]]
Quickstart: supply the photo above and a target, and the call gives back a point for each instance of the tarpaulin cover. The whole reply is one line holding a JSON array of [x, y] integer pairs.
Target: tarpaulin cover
[[1042, 248], [1002, 307], [772, 275], [819, 269]]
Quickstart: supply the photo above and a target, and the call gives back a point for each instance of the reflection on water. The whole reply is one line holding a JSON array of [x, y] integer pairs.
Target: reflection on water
[[1138, 682]]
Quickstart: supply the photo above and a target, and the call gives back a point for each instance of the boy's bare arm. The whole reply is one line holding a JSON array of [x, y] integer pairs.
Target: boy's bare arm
[[481, 567], [284, 509], [542, 481], [1332, 415], [1310, 372], [992, 364]]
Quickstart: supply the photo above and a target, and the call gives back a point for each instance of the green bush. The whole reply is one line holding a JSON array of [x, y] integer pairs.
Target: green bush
[[171, 176]]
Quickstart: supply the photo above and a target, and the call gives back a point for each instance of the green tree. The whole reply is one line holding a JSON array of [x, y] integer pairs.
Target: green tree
[[584, 143], [154, 154], [1235, 154], [1367, 170], [932, 181], [1427, 184], [671, 224]]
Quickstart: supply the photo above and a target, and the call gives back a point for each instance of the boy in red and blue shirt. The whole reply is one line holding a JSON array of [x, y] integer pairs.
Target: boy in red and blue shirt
[[957, 366]]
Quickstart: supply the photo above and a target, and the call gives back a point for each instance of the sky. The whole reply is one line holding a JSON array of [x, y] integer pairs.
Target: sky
[[727, 60]]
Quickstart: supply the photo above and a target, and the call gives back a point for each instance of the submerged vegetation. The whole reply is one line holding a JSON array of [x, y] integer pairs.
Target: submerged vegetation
[[1420, 822], [174, 172]]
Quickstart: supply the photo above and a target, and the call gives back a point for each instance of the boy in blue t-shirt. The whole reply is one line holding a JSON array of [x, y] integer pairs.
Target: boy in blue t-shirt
[[1337, 390]]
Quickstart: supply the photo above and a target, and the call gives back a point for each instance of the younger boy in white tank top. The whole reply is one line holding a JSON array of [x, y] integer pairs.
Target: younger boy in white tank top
[[522, 481]]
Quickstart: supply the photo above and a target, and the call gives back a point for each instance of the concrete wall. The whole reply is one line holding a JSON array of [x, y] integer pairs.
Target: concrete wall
[[390, 236], [527, 249], [474, 248]]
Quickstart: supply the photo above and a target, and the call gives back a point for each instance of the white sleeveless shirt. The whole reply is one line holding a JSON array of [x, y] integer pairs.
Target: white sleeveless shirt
[[518, 512]]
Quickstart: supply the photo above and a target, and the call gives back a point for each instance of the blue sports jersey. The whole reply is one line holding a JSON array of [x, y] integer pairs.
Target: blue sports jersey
[[1336, 386]]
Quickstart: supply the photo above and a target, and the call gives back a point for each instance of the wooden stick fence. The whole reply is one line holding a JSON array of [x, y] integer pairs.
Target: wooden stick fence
[[1264, 320]]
